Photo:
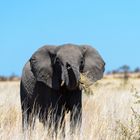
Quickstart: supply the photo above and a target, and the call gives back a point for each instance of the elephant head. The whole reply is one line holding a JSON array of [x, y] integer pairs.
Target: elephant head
[[62, 65]]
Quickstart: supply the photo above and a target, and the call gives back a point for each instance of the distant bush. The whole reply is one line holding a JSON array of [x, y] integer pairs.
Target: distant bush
[[124, 68], [3, 78], [12, 77], [137, 70]]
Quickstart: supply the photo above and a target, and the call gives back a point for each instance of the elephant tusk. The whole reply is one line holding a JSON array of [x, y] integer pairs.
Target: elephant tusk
[[62, 83]]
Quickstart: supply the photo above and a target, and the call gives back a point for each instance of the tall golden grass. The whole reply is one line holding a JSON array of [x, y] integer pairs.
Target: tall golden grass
[[110, 113]]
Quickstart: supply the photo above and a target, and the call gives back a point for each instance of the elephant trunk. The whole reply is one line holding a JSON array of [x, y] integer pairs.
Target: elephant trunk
[[71, 77]]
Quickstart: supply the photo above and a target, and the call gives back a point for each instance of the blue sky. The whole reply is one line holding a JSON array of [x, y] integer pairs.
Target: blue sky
[[111, 26]]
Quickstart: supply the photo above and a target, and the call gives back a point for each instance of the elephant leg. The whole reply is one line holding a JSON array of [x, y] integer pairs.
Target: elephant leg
[[75, 105], [75, 119], [28, 115], [59, 122], [44, 116], [28, 119], [29, 112], [26, 108], [53, 119]]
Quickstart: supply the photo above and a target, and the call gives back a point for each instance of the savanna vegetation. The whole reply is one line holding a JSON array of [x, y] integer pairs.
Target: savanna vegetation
[[110, 111]]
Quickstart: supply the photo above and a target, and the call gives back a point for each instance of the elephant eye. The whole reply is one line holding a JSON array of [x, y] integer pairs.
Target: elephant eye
[[57, 61], [82, 61], [81, 64]]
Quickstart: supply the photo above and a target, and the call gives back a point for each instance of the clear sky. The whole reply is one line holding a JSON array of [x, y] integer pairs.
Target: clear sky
[[111, 26]]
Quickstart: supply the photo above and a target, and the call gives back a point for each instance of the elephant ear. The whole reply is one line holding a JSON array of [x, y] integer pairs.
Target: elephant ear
[[41, 66], [28, 79], [93, 65]]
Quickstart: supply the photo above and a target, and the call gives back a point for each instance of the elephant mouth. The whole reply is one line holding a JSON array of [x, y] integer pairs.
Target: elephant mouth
[[73, 87], [69, 87]]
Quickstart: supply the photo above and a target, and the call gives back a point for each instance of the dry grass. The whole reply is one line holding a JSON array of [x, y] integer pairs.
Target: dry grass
[[107, 114]]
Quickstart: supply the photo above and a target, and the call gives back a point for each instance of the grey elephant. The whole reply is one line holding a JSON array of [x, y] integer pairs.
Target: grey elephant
[[50, 81]]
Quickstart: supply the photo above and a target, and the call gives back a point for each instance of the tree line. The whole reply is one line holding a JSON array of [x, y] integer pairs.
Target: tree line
[[124, 69], [12, 77]]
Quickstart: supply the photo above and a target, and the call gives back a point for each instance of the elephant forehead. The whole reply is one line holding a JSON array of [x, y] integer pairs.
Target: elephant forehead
[[69, 53]]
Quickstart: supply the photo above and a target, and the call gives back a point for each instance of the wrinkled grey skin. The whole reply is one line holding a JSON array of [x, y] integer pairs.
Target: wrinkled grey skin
[[42, 75]]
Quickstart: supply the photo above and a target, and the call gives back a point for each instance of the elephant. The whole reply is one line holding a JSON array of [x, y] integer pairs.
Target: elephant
[[50, 87]]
